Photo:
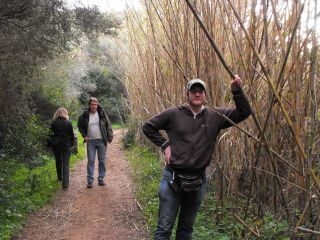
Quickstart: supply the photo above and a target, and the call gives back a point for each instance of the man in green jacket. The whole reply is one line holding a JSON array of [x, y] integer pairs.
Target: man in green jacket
[[95, 128], [192, 130]]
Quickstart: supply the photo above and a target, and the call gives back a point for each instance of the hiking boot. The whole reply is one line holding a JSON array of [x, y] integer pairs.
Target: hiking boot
[[89, 185], [101, 183]]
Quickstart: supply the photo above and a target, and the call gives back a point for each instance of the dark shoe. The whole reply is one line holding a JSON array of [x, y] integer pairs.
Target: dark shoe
[[65, 188], [101, 183], [89, 185]]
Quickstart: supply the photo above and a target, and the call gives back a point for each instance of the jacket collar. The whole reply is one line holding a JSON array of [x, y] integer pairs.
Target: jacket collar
[[186, 108]]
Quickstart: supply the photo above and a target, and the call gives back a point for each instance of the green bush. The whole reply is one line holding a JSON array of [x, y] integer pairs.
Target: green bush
[[26, 142], [24, 190], [109, 90], [128, 139], [117, 126], [214, 222], [274, 229], [146, 173]]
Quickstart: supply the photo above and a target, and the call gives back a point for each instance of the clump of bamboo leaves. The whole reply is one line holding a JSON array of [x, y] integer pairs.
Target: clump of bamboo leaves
[[272, 161]]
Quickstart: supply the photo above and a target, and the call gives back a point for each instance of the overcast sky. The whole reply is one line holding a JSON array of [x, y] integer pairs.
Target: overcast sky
[[120, 5], [108, 5]]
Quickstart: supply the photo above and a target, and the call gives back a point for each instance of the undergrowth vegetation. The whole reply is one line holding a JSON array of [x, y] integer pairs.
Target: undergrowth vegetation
[[271, 160], [23, 190], [214, 221]]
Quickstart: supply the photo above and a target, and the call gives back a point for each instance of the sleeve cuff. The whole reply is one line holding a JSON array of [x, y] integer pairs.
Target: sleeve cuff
[[236, 92], [165, 145]]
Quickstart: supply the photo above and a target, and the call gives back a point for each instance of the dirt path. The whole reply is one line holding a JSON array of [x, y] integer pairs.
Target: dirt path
[[108, 212]]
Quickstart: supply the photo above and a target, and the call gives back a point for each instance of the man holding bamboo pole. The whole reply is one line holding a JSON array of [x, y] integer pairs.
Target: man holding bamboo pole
[[192, 130]]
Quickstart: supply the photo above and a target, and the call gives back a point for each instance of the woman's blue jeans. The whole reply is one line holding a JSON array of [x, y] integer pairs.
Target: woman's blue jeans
[[94, 146], [170, 203]]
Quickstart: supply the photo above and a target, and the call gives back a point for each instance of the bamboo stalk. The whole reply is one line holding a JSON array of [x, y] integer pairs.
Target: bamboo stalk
[[292, 184], [213, 44], [172, 58], [246, 225], [233, 76], [302, 215], [272, 102], [302, 229], [289, 122]]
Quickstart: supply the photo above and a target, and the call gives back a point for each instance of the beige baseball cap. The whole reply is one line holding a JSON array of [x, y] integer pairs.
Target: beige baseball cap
[[196, 81]]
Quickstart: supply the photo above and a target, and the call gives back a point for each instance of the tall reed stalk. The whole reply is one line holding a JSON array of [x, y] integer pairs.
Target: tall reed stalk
[[273, 45]]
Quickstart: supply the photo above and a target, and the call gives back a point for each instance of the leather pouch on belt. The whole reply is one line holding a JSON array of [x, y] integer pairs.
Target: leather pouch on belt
[[190, 183]]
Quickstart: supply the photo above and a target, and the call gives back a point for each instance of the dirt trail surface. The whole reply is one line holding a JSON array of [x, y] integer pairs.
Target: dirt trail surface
[[103, 212]]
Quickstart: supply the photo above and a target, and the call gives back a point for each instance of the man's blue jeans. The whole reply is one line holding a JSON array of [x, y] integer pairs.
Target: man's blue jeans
[[170, 203], [94, 146]]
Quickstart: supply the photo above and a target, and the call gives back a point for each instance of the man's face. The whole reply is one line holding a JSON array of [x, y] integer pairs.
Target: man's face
[[196, 96], [93, 106]]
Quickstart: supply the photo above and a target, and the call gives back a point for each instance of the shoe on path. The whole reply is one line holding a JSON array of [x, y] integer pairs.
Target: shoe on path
[[101, 183]]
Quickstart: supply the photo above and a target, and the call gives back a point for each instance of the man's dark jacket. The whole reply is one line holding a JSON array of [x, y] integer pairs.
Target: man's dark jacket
[[104, 123], [192, 138]]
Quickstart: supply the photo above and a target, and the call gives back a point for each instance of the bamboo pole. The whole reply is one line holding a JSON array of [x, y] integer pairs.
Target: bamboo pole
[[289, 122], [246, 225], [213, 44], [272, 102], [183, 53], [251, 110]]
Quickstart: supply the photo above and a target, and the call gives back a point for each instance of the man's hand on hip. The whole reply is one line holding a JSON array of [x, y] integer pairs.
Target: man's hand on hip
[[167, 154], [85, 139]]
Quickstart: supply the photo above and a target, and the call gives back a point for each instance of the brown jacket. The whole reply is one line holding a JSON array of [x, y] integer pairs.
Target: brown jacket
[[192, 138]]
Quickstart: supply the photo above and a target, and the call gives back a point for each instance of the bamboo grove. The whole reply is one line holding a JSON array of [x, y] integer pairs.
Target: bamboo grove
[[272, 160]]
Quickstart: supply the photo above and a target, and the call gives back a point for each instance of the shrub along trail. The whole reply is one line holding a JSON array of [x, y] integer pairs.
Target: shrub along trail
[[108, 212]]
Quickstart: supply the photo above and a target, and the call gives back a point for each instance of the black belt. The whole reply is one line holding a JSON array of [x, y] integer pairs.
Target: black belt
[[172, 170]]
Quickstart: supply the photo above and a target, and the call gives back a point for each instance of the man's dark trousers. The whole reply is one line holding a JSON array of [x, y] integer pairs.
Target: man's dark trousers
[[170, 202]]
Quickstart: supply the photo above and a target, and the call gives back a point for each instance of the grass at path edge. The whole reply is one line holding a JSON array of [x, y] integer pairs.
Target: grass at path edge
[[24, 190], [147, 173]]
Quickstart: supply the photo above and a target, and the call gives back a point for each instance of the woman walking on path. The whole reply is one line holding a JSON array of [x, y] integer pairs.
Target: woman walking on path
[[62, 140]]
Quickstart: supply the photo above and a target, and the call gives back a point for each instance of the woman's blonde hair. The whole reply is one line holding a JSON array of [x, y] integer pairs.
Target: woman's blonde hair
[[61, 113]]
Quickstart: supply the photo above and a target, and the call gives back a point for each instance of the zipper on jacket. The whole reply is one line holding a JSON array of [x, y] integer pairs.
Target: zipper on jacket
[[193, 133]]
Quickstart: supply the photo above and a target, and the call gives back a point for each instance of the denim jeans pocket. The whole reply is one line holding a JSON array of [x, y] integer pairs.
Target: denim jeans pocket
[[167, 175], [169, 178]]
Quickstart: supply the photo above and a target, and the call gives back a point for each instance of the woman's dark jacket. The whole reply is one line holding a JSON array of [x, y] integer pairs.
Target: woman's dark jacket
[[104, 123], [62, 137]]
